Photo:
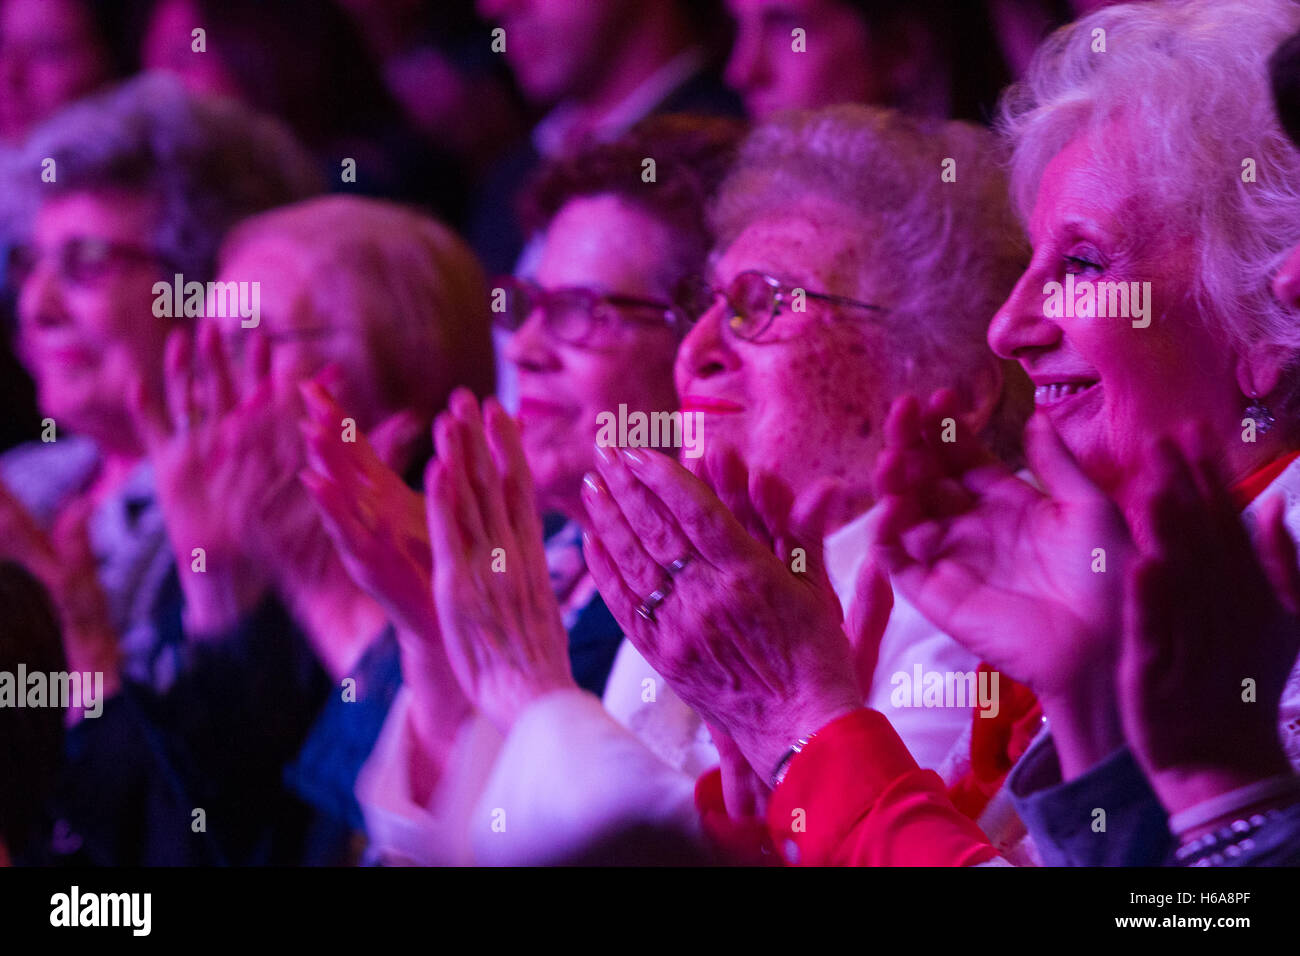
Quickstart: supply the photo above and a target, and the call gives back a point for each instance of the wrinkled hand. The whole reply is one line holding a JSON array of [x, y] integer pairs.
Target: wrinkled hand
[[376, 522], [753, 647], [500, 622], [1203, 614], [225, 468], [1005, 569]]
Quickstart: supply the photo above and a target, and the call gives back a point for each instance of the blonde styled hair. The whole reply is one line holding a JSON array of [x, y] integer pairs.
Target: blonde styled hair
[[425, 320]]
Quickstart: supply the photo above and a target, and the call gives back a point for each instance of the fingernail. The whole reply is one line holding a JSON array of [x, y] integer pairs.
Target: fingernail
[[606, 454], [634, 456], [593, 483]]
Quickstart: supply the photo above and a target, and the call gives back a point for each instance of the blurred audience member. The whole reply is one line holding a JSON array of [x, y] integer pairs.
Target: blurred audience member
[[56, 51], [438, 64], [386, 307], [148, 180], [51, 52], [303, 62], [927, 58], [598, 67]]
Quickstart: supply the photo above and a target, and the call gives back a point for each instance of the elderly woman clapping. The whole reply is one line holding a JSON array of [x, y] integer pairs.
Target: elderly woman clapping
[[847, 267], [589, 331], [1156, 169]]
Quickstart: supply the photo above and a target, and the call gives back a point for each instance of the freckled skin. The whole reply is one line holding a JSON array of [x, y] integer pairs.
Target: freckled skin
[[814, 388]]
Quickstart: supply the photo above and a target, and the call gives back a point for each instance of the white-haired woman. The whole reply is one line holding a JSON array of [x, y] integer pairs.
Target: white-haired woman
[[1158, 167], [849, 268]]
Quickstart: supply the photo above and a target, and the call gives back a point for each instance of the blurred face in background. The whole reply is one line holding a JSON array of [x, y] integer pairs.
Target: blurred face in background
[[302, 334], [835, 67], [607, 245], [85, 309], [168, 45], [807, 398], [558, 48], [49, 56]]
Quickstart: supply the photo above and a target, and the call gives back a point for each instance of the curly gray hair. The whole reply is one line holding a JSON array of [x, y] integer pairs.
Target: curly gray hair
[[945, 253], [209, 162]]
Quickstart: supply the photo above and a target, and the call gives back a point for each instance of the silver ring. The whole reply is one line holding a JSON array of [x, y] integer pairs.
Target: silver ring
[[676, 567], [647, 607]]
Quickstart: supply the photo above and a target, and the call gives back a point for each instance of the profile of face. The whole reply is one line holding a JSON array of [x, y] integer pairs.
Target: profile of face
[[609, 246], [169, 45], [772, 74], [86, 323], [49, 56], [302, 334], [557, 48], [1109, 387], [807, 398]]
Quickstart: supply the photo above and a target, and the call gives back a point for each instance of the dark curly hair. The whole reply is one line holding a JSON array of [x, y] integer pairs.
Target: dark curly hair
[[691, 154]]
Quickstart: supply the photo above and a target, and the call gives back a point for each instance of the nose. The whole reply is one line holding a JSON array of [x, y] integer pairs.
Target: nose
[[705, 352], [530, 348], [1020, 326], [40, 299], [1286, 284]]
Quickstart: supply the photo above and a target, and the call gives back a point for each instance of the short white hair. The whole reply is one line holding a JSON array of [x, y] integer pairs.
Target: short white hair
[[945, 252], [1190, 79]]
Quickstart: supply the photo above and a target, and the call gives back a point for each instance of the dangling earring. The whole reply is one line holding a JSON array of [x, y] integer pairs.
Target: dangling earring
[[1257, 410]]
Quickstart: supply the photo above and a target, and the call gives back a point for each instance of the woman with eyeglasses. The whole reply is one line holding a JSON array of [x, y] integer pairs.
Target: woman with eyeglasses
[[591, 328], [845, 271], [142, 183]]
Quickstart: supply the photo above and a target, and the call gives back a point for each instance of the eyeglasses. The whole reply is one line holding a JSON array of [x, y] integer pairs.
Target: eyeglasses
[[83, 261], [577, 316], [754, 300]]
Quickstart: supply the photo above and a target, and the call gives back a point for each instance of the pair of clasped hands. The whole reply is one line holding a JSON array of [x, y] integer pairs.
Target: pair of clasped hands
[[1150, 652]]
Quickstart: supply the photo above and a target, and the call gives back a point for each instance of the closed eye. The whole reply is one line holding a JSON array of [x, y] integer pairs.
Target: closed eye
[[1078, 264]]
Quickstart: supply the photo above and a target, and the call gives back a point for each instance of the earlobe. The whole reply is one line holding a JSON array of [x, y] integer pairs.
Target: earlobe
[[1260, 371]]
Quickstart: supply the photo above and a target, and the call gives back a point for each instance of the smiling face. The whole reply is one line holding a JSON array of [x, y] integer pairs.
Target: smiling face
[[835, 65], [808, 399], [84, 336], [605, 244], [1108, 387]]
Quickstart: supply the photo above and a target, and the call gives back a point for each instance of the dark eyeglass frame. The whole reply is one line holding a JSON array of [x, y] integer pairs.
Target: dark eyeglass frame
[[23, 259], [586, 300], [780, 292]]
